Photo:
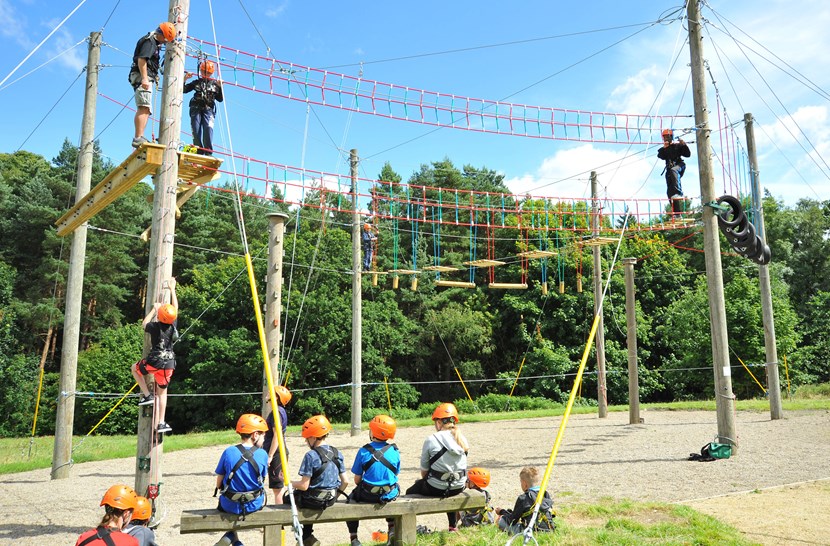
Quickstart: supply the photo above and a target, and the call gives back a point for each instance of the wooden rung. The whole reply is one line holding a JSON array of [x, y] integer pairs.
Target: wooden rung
[[530, 254], [484, 263], [597, 241], [508, 285], [441, 268], [455, 284], [374, 273], [404, 271]]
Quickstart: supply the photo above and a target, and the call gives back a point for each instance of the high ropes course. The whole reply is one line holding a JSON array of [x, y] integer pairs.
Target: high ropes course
[[335, 90]]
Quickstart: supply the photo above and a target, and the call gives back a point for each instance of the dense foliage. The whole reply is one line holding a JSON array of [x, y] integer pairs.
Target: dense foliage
[[419, 343]]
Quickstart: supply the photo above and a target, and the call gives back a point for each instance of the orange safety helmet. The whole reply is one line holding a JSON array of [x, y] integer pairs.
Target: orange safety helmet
[[168, 30], [367, 226], [206, 68], [445, 411], [249, 423], [479, 476], [667, 132], [316, 427], [143, 509], [122, 497], [283, 394], [383, 427], [167, 313]]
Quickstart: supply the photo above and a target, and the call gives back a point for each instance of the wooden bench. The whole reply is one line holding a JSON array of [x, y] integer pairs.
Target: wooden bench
[[273, 518]]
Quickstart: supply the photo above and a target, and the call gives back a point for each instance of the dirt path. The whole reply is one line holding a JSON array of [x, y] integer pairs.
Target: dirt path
[[598, 458]]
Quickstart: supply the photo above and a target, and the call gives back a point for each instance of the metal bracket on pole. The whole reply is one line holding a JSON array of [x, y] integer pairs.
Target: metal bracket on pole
[[144, 464]]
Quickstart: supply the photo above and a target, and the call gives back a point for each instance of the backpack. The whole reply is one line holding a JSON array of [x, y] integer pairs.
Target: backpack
[[712, 451]]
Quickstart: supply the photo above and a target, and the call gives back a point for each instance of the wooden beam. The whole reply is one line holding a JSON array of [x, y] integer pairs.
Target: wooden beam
[[597, 241], [143, 161], [508, 285], [441, 268], [536, 254], [405, 271], [484, 263], [455, 284]]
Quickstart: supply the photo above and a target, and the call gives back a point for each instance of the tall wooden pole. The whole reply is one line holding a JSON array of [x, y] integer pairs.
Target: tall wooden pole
[[724, 399], [273, 301], [771, 351], [64, 420], [150, 448], [602, 400], [357, 305], [631, 338]]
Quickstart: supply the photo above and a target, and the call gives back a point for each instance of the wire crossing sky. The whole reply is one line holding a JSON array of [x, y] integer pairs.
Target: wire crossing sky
[[628, 60]]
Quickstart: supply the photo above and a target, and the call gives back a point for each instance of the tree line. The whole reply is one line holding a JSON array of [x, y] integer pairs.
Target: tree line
[[419, 342]]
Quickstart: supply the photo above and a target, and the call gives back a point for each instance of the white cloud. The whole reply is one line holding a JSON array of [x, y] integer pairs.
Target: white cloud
[[61, 44], [275, 11], [12, 25], [566, 174]]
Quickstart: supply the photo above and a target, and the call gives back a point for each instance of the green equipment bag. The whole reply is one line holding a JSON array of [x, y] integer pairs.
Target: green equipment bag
[[718, 450]]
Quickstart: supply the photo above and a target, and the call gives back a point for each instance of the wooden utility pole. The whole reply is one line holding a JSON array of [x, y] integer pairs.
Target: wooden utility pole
[[724, 399], [149, 450], [631, 338], [273, 301], [602, 401], [771, 351], [64, 420], [357, 305]]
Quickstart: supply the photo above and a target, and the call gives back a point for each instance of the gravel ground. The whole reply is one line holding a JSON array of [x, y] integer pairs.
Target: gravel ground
[[774, 489]]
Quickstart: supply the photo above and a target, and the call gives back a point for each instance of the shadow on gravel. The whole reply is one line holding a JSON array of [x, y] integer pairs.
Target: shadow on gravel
[[11, 533]]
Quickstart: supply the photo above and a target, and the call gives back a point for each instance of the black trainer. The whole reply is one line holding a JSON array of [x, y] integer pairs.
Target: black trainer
[[164, 427], [148, 400]]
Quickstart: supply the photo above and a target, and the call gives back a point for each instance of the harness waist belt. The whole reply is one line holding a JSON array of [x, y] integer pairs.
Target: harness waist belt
[[243, 496]]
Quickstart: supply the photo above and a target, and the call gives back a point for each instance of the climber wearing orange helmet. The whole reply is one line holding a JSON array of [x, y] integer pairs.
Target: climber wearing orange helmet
[[144, 72], [161, 360], [240, 473], [478, 478], [322, 473], [443, 459], [119, 502], [376, 468], [276, 481], [139, 526], [207, 92], [673, 153], [368, 240]]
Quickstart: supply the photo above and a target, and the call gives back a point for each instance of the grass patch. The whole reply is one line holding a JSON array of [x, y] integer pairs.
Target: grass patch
[[609, 522]]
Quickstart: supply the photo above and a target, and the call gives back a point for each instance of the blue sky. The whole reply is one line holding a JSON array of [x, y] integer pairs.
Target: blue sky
[[573, 71]]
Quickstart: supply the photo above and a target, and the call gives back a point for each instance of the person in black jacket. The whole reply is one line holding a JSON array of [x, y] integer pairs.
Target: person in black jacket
[[207, 92], [673, 153], [514, 521]]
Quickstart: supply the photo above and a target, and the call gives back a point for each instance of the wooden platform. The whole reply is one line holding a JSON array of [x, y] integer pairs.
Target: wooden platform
[[532, 254], [484, 263], [454, 284], [404, 271], [597, 241], [442, 268], [143, 161], [194, 170]]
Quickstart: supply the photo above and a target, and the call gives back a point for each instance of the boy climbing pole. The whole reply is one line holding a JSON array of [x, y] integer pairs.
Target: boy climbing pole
[[161, 360], [673, 153]]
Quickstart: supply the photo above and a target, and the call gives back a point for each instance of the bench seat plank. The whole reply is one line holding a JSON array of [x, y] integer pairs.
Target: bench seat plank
[[403, 510]]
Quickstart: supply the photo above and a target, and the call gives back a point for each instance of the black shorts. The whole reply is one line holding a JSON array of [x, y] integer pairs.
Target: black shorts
[[275, 478]]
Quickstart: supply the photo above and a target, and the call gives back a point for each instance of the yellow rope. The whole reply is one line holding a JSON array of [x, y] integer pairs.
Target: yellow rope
[[787, 373], [516, 381], [463, 385], [112, 409], [388, 398], [37, 407], [750, 373]]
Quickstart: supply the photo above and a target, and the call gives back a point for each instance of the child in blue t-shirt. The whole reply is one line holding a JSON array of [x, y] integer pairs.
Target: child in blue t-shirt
[[322, 473], [376, 468], [240, 474]]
